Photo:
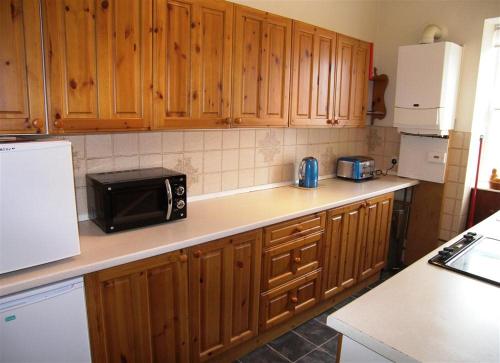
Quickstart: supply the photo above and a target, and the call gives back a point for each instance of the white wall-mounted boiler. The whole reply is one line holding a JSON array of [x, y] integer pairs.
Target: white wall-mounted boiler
[[426, 88]]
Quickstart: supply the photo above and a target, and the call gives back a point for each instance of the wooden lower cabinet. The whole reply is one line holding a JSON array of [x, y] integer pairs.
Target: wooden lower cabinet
[[224, 279], [373, 251], [137, 312], [283, 302]]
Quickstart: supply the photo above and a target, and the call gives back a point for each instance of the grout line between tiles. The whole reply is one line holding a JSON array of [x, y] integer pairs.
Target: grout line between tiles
[[281, 355]]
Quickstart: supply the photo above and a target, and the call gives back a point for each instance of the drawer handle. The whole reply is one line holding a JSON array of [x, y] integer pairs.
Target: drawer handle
[[297, 259], [36, 123], [183, 258], [197, 253], [238, 120], [294, 300], [364, 205], [299, 228]]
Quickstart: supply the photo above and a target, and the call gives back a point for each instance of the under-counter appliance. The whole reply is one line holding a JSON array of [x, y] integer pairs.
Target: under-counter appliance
[[473, 255], [308, 173], [355, 168], [135, 198], [45, 325], [38, 221]]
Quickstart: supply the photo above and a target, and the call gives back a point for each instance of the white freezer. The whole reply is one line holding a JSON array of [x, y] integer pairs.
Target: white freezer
[[45, 325]]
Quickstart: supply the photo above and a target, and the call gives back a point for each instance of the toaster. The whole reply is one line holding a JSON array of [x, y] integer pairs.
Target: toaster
[[355, 167]]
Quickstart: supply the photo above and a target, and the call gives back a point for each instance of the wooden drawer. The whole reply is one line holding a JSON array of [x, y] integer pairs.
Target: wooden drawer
[[290, 260], [286, 231], [280, 304]]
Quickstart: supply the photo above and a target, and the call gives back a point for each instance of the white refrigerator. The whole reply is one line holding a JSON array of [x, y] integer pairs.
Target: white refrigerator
[[38, 221], [45, 325]]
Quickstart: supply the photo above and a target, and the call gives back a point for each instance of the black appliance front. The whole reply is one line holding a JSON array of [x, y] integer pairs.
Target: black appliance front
[[136, 198]]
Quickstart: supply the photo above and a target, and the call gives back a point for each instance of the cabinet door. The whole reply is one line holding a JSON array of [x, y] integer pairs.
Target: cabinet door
[[99, 66], [334, 242], [22, 108], [313, 75], [192, 62], [224, 281], [353, 229], [261, 75], [346, 48], [137, 312], [359, 85], [373, 252]]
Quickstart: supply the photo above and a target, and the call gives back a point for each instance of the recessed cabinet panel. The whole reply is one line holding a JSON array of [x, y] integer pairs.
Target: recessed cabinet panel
[[359, 90], [21, 76], [99, 67], [345, 51], [192, 63], [354, 229], [261, 74], [335, 237]]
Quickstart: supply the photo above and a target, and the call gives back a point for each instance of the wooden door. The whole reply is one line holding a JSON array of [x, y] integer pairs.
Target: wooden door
[[353, 229], [224, 279], [192, 63], [313, 75], [138, 312], [334, 242], [99, 66], [359, 85], [373, 252], [22, 109], [261, 74], [346, 47]]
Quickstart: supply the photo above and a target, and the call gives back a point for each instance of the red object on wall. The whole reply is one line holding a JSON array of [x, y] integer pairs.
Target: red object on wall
[[370, 69]]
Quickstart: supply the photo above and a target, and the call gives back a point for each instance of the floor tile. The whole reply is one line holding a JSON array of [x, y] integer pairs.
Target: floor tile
[[263, 354], [322, 317], [361, 292], [344, 302], [331, 346], [292, 346], [317, 356], [315, 332]]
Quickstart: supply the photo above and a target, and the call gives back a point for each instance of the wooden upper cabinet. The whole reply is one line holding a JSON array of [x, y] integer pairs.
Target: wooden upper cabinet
[[313, 75], [192, 63], [373, 251], [351, 85], [22, 108], [99, 66], [224, 279], [261, 74], [138, 312]]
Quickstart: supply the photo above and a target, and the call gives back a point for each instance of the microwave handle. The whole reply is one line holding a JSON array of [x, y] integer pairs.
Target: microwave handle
[[169, 199]]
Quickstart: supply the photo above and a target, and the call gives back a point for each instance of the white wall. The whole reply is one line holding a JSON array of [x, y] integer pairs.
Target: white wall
[[402, 22], [350, 17]]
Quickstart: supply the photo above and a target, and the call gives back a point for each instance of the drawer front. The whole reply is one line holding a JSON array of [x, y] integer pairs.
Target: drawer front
[[280, 304], [290, 260], [286, 231]]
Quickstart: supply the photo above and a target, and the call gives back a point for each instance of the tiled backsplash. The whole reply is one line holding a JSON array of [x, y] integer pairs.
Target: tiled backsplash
[[219, 160]]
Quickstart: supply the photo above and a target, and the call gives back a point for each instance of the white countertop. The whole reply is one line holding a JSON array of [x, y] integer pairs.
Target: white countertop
[[206, 220], [428, 314]]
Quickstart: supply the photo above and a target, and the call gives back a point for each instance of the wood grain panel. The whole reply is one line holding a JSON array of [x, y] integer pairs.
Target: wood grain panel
[[293, 229], [261, 76], [138, 311], [224, 286], [334, 241], [99, 66], [384, 225], [21, 77], [192, 63], [345, 53], [353, 229], [359, 85], [313, 76], [370, 240]]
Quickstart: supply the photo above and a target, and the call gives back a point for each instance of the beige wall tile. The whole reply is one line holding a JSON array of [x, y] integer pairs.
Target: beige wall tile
[[269, 138], [150, 161], [314, 136], [99, 165], [275, 174], [457, 139], [79, 172], [245, 178], [230, 159], [268, 156], [229, 180], [247, 159], [77, 146], [261, 176], [193, 163], [194, 184], [448, 205], [446, 220], [174, 162], [247, 138], [98, 146], [231, 139], [290, 137], [173, 142], [288, 172], [150, 143], [193, 140], [452, 173], [334, 134], [444, 235], [454, 157], [212, 140], [81, 201], [302, 136], [289, 154], [212, 161], [212, 183], [125, 144], [126, 162]]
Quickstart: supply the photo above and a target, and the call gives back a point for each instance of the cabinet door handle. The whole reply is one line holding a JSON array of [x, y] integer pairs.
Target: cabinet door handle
[[58, 124], [35, 123], [197, 253], [329, 121], [294, 300], [297, 260], [299, 228], [183, 258], [227, 120], [364, 205], [238, 120]]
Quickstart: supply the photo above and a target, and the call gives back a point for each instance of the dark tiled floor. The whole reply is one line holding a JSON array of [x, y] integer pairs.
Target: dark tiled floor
[[310, 342]]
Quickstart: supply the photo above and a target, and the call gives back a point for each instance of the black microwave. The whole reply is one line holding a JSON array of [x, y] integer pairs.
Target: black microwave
[[135, 198]]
